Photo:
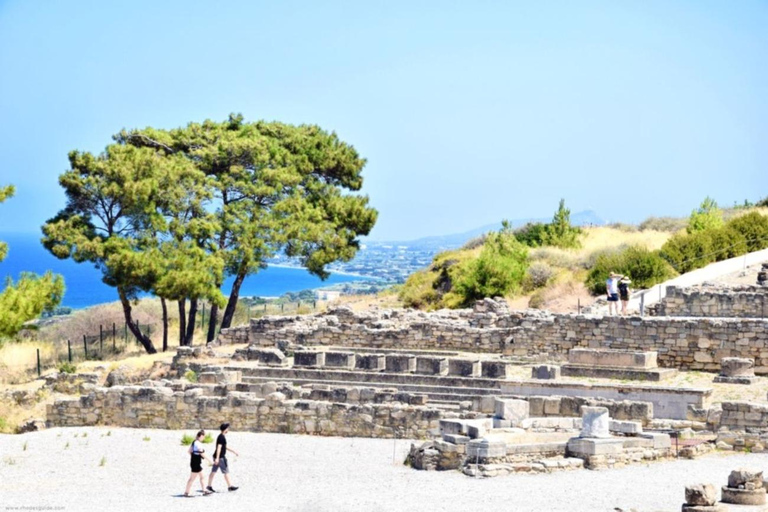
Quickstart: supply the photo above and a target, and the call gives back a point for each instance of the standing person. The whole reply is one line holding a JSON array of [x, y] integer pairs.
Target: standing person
[[612, 288], [624, 294], [220, 459], [197, 454]]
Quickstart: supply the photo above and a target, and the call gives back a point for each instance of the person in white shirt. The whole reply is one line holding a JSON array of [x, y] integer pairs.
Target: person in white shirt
[[612, 289]]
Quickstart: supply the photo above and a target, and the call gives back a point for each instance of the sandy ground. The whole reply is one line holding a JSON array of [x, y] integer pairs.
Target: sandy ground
[[61, 469]]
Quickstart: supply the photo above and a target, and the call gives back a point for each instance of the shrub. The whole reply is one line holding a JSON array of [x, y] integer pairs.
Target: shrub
[[645, 268], [762, 203], [499, 270], [538, 275], [688, 252], [531, 234], [191, 375], [208, 439], [187, 439], [753, 227], [707, 216], [668, 224], [474, 243], [67, 367], [418, 290], [560, 232]]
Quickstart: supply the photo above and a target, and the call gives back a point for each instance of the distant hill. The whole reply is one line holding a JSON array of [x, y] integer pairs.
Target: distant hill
[[440, 242]]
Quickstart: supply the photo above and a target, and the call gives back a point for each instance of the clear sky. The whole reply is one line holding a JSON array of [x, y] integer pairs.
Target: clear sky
[[468, 112]]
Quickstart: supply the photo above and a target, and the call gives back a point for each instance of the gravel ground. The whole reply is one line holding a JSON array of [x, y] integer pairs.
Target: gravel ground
[[303, 473]]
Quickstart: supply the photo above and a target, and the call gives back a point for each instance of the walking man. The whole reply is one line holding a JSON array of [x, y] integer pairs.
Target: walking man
[[220, 459]]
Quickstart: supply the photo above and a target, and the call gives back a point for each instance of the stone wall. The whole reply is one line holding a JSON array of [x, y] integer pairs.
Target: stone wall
[[714, 301], [161, 407], [744, 415], [683, 343]]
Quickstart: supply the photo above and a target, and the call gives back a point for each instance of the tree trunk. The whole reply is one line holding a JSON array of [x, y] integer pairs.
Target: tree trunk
[[191, 321], [128, 313], [182, 322], [234, 295], [214, 314], [165, 324]]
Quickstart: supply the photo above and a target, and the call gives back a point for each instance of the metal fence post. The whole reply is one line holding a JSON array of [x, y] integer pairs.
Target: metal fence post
[[69, 351], [38, 362], [85, 347], [101, 341]]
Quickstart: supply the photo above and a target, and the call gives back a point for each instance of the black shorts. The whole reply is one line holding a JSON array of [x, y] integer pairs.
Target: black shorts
[[614, 297], [196, 464], [624, 297]]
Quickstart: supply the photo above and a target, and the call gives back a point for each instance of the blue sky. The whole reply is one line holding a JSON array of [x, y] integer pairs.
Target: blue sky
[[468, 112]]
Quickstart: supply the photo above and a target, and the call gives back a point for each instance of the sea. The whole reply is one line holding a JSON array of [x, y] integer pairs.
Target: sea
[[84, 287]]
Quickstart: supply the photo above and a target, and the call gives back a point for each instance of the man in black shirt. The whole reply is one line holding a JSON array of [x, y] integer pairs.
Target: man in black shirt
[[220, 459]]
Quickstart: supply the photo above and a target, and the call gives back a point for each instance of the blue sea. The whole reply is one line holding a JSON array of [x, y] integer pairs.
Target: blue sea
[[84, 286]]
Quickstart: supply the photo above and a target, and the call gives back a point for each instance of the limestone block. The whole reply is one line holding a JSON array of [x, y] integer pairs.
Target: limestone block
[[486, 448], [432, 365], [595, 422], [311, 358], [345, 360], [371, 362], [400, 363], [581, 447], [456, 438], [268, 356], [625, 427], [660, 441], [613, 358], [464, 367], [739, 478], [743, 496], [510, 409], [700, 494], [545, 371]]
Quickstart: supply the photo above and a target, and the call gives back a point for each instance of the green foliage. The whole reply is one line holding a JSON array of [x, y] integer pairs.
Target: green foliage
[[67, 367], [498, 271], [538, 275], [187, 439], [532, 234], [103, 462], [190, 375], [645, 268], [688, 252], [3, 424], [763, 203], [666, 224], [707, 216], [560, 232], [754, 228], [30, 296], [208, 439]]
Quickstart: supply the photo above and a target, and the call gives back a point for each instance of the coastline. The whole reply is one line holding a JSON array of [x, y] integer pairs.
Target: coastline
[[339, 272]]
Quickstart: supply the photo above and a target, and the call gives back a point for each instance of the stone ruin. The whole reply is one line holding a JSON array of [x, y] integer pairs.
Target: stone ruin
[[454, 380]]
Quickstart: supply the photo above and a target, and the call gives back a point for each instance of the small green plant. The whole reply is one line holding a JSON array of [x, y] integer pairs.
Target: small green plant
[[146, 438], [103, 461], [75, 434], [191, 375], [208, 439], [85, 434], [66, 446], [109, 433], [187, 439], [707, 216], [67, 367], [24, 448], [10, 461]]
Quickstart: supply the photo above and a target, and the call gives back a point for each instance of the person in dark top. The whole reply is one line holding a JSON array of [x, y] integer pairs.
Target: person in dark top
[[197, 454], [220, 459], [624, 293]]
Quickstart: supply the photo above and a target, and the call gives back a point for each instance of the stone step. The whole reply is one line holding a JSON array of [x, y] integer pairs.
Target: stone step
[[605, 372], [366, 377], [435, 394]]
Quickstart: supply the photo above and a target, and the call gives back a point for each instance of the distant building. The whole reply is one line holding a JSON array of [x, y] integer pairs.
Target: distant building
[[328, 295]]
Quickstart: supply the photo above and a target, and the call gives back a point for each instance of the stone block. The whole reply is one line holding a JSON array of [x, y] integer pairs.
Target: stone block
[[342, 360], [612, 358], [496, 369], [432, 365], [464, 367], [268, 356], [510, 409], [545, 372], [455, 427], [580, 447], [739, 478], [485, 404], [625, 427], [208, 378], [400, 363], [743, 496], [595, 421], [486, 448], [311, 358], [370, 362], [501, 423], [700, 494], [737, 367], [659, 441]]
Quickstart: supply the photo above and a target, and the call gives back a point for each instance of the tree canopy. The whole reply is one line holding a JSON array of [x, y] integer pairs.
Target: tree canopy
[[30, 296], [174, 212]]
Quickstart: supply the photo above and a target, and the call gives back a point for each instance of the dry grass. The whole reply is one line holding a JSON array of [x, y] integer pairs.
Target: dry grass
[[602, 238]]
